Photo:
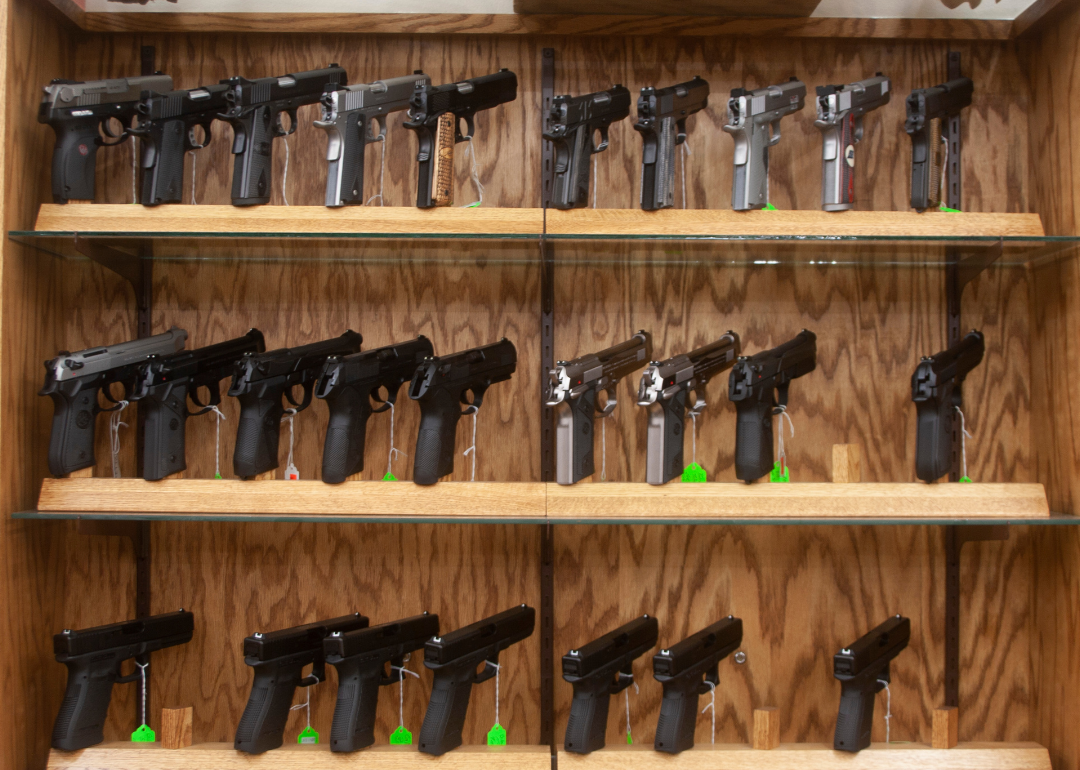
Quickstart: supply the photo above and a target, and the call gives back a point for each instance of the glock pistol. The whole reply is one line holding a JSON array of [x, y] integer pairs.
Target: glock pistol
[[686, 670], [863, 671], [664, 390], [570, 126], [76, 110], [600, 669], [840, 112], [349, 384], [442, 384], [661, 121], [254, 111], [454, 657], [435, 115], [935, 389], [73, 381], [93, 657], [260, 380], [927, 110], [754, 123], [361, 657], [573, 387], [753, 385], [166, 124], [162, 388], [278, 659], [347, 113]]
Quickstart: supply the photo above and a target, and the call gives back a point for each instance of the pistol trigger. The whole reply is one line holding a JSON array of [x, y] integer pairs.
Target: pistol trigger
[[680, 131], [774, 130], [603, 139], [781, 402], [470, 127], [858, 133]]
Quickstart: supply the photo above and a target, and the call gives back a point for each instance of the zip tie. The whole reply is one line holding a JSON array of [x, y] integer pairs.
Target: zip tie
[[194, 157], [685, 151], [475, 176], [382, 173], [134, 171], [497, 667], [142, 675], [218, 417], [114, 437], [594, 181], [401, 689], [888, 709], [472, 450], [285, 181], [394, 451], [712, 705], [782, 412], [964, 435], [306, 704], [626, 693]]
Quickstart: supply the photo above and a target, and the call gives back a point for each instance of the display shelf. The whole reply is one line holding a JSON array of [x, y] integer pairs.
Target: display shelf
[[212, 756]]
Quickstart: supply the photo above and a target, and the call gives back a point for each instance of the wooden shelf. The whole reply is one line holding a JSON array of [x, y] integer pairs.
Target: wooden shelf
[[215, 756]]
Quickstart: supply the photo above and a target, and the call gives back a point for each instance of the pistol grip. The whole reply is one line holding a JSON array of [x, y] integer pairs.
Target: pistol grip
[[343, 449], [570, 185], [434, 456], [258, 433], [855, 718], [74, 156], [253, 163], [445, 717], [838, 166], [658, 167], [71, 443], [678, 718], [443, 162], [347, 141], [574, 438], [587, 726], [166, 418], [163, 164], [750, 184], [934, 438], [262, 726], [667, 425], [357, 700], [753, 440], [81, 719]]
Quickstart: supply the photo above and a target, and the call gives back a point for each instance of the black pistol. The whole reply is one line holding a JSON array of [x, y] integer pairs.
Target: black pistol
[[927, 109], [163, 386], [454, 657], [93, 657], [753, 386], [278, 659], [600, 669], [661, 121], [686, 670], [349, 384], [665, 389], [573, 387], [442, 384], [361, 657], [935, 389], [863, 671]]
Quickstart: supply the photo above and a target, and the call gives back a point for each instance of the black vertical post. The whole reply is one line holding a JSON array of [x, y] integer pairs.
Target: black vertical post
[[952, 136], [952, 616]]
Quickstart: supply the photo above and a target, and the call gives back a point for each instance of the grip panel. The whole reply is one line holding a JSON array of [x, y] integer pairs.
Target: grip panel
[[343, 449], [855, 719], [81, 719], [354, 713], [345, 175], [585, 731], [446, 710], [163, 164], [71, 442], [753, 440], [445, 137], [434, 456], [262, 727], [678, 718], [574, 439], [166, 419], [253, 163], [258, 434], [74, 156], [667, 426], [933, 439]]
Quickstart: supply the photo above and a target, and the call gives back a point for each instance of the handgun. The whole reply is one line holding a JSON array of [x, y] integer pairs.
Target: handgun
[[73, 381], [254, 111], [863, 671], [927, 110], [347, 113], [598, 670], [840, 112], [453, 657], [935, 389], [260, 380], [442, 384], [753, 385], [753, 120], [664, 390], [166, 124], [278, 659], [570, 126], [76, 110], [686, 670], [93, 657], [435, 115], [361, 657], [573, 387], [661, 121], [349, 384], [162, 387]]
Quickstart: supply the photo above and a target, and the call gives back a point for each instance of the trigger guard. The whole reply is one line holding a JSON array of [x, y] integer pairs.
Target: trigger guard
[[612, 401], [191, 136], [488, 672], [698, 407], [370, 137], [278, 130], [603, 141], [470, 127], [774, 133], [203, 410], [478, 399]]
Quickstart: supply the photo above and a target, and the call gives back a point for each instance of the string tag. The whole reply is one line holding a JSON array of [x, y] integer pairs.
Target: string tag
[[218, 417], [382, 175], [401, 736], [711, 706], [285, 175], [394, 452], [781, 473], [308, 734], [134, 169], [603, 443], [626, 692], [888, 708], [114, 436], [472, 450], [685, 151], [497, 734], [470, 149], [964, 435], [694, 473], [143, 733], [193, 158], [291, 473]]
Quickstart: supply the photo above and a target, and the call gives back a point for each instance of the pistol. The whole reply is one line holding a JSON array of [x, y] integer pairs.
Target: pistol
[[166, 124], [76, 109], [442, 384], [360, 658], [349, 384], [661, 121], [278, 659], [935, 389], [753, 120], [254, 111], [93, 657], [686, 670], [347, 113], [570, 126], [260, 380], [927, 109], [664, 390], [600, 669], [435, 115], [573, 387], [73, 381], [863, 671], [840, 112], [162, 387], [753, 385], [454, 658]]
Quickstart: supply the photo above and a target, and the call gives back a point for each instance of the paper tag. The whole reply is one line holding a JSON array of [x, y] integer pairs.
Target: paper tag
[[769, 207], [389, 477], [292, 474], [473, 205], [629, 740], [401, 737], [143, 735], [217, 475], [497, 735], [946, 208], [694, 474], [966, 480], [308, 735], [781, 473]]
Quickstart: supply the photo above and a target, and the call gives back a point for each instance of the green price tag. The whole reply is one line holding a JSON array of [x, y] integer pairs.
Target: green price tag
[[217, 475], [694, 474], [497, 736], [389, 477], [143, 735], [473, 205], [949, 210], [966, 480], [307, 735], [769, 207], [780, 474], [401, 737], [629, 740]]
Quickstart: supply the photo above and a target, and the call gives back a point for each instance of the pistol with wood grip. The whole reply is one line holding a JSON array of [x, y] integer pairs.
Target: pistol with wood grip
[[840, 112], [927, 110], [661, 121], [863, 671]]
